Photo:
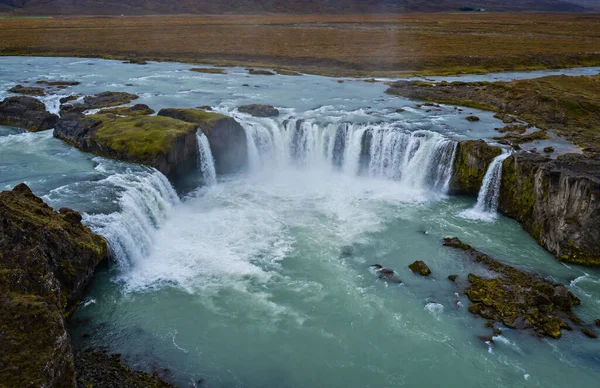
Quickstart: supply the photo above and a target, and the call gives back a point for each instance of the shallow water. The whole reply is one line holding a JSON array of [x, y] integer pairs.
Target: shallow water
[[262, 279]]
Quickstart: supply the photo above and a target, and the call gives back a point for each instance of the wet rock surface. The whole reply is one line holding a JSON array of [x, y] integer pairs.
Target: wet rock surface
[[471, 162], [420, 268], [556, 201], [28, 90], [108, 99], [258, 110], [386, 274], [47, 260], [517, 299], [27, 113], [136, 110]]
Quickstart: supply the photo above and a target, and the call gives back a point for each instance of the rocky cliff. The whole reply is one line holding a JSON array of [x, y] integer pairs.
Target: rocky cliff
[[47, 259], [226, 137], [557, 202], [471, 162]]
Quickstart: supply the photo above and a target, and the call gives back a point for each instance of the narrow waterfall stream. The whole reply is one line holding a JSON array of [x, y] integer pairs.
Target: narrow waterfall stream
[[206, 163], [487, 200]]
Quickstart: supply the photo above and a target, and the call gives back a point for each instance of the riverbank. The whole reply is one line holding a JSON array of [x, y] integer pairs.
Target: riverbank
[[332, 45]]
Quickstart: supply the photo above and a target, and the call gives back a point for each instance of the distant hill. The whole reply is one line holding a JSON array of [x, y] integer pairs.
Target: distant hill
[[143, 7]]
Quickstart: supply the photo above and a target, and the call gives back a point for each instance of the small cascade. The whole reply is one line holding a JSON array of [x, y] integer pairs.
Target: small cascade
[[487, 199], [206, 162], [419, 159], [144, 200]]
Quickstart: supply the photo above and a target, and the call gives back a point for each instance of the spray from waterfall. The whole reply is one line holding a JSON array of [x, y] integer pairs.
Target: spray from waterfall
[[420, 160], [487, 200], [206, 162]]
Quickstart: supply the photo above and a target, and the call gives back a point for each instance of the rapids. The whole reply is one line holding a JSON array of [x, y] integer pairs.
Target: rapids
[[261, 279]]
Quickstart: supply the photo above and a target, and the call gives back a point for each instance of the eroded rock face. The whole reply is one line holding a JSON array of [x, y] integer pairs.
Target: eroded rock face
[[556, 201], [27, 113], [471, 162], [164, 143], [46, 261], [517, 299], [226, 137], [258, 110]]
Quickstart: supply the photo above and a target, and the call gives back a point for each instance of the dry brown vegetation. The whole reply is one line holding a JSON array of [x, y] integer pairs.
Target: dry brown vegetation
[[363, 45]]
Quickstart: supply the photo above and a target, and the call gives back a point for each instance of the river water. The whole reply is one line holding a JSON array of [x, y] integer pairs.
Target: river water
[[262, 279]]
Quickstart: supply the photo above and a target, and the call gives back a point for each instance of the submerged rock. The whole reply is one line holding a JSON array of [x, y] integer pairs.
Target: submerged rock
[[471, 162], [386, 274], [452, 278], [258, 110], [57, 83], [96, 368], [208, 70], [260, 72], [515, 298], [472, 118], [548, 150], [589, 333], [164, 143], [27, 113], [419, 267], [47, 260], [28, 90], [226, 137]]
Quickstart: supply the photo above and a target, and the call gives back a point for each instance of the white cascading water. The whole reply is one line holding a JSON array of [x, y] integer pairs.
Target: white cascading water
[[206, 162], [420, 159], [145, 199], [487, 200]]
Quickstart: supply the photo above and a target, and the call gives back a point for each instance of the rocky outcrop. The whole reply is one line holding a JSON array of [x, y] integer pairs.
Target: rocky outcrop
[[108, 99], [47, 259], [517, 299], [471, 162], [260, 72], [27, 113], [164, 143], [136, 110], [258, 110], [226, 137], [556, 201], [28, 90], [419, 267]]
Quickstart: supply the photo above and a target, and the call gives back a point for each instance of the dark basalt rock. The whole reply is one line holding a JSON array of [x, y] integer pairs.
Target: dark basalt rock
[[108, 99], [548, 150], [452, 278], [386, 274], [556, 201], [58, 83], [28, 90], [471, 162], [68, 98], [136, 110], [136, 61], [47, 260], [419, 267], [472, 118], [226, 137], [98, 369], [258, 110], [27, 113], [515, 298], [589, 333]]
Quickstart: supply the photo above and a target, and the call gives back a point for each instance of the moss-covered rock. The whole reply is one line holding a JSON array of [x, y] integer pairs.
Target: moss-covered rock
[[226, 137], [556, 201], [136, 110], [27, 113], [471, 162], [46, 261], [108, 99], [167, 144], [28, 90], [419, 267], [515, 298]]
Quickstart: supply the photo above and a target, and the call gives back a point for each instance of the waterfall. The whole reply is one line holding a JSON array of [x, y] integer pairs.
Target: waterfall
[[487, 199], [419, 159], [143, 201], [206, 163]]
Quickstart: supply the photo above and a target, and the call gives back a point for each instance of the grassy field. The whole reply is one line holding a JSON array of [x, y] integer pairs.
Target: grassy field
[[340, 45]]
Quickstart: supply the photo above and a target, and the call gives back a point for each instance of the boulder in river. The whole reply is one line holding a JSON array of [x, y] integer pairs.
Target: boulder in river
[[472, 118], [258, 110], [28, 90], [419, 267], [260, 72], [515, 298], [452, 278], [27, 113], [386, 274], [108, 99], [226, 137], [136, 110], [48, 259]]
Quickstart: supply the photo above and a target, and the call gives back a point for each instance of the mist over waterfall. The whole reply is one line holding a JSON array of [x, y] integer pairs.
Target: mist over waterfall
[[487, 200], [419, 159], [206, 162]]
